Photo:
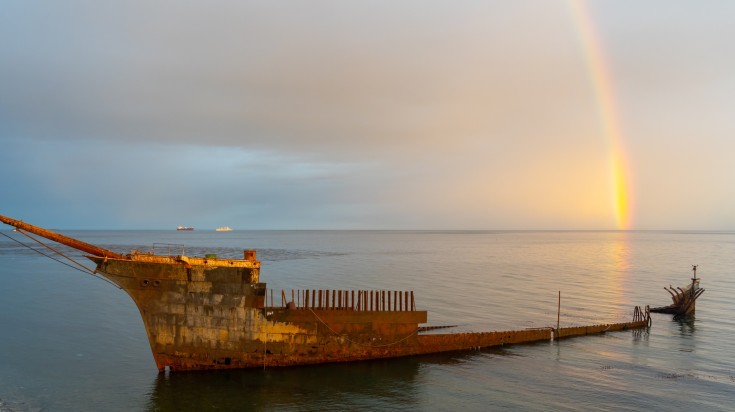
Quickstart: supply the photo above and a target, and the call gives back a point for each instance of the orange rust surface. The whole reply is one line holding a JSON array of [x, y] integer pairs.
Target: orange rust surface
[[332, 349]]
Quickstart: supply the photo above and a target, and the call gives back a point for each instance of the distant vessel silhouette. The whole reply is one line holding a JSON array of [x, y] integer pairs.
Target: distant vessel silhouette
[[184, 228], [224, 229]]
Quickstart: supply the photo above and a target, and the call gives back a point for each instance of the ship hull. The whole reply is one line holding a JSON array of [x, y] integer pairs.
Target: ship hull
[[214, 316], [213, 313]]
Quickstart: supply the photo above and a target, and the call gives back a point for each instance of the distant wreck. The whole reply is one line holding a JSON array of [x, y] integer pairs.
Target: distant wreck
[[685, 299]]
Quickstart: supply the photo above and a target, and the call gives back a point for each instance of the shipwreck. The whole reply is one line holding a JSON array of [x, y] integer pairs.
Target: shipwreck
[[212, 313], [684, 299]]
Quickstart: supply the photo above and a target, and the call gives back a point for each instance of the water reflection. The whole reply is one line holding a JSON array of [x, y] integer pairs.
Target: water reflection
[[641, 334], [392, 384], [620, 255], [361, 385], [686, 324]]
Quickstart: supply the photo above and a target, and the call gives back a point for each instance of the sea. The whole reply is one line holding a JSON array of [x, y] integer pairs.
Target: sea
[[70, 341]]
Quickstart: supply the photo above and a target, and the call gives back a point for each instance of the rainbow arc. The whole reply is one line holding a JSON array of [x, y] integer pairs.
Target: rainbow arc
[[602, 83]]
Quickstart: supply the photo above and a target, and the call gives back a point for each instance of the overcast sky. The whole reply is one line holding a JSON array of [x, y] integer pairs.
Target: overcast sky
[[363, 114]]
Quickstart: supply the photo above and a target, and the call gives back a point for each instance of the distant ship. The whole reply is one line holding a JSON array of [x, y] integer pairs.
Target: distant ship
[[224, 229], [184, 228]]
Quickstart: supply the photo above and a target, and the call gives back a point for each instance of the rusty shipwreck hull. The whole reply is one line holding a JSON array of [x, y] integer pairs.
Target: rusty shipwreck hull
[[212, 313]]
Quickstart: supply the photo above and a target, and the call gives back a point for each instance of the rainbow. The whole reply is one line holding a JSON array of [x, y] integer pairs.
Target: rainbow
[[603, 86]]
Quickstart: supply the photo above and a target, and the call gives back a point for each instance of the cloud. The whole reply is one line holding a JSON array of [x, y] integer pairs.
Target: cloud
[[336, 114], [327, 78]]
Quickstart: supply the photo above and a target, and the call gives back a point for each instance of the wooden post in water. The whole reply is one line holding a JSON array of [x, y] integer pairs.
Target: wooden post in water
[[558, 313]]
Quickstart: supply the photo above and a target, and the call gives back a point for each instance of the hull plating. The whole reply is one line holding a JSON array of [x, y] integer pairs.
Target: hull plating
[[211, 314]]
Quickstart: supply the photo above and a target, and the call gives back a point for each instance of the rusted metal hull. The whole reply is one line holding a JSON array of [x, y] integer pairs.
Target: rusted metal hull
[[211, 313], [335, 349], [213, 316]]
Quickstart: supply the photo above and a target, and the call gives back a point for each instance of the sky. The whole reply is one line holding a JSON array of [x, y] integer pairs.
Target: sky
[[436, 115]]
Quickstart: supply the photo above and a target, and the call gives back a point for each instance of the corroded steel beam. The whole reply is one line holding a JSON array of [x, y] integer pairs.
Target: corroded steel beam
[[462, 341], [64, 240]]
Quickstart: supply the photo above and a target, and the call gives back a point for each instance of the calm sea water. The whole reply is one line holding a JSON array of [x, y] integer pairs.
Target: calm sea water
[[73, 342]]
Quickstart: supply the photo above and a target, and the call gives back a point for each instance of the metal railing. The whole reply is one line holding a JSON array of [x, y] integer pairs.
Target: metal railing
[[168, 248], [356, 300]]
